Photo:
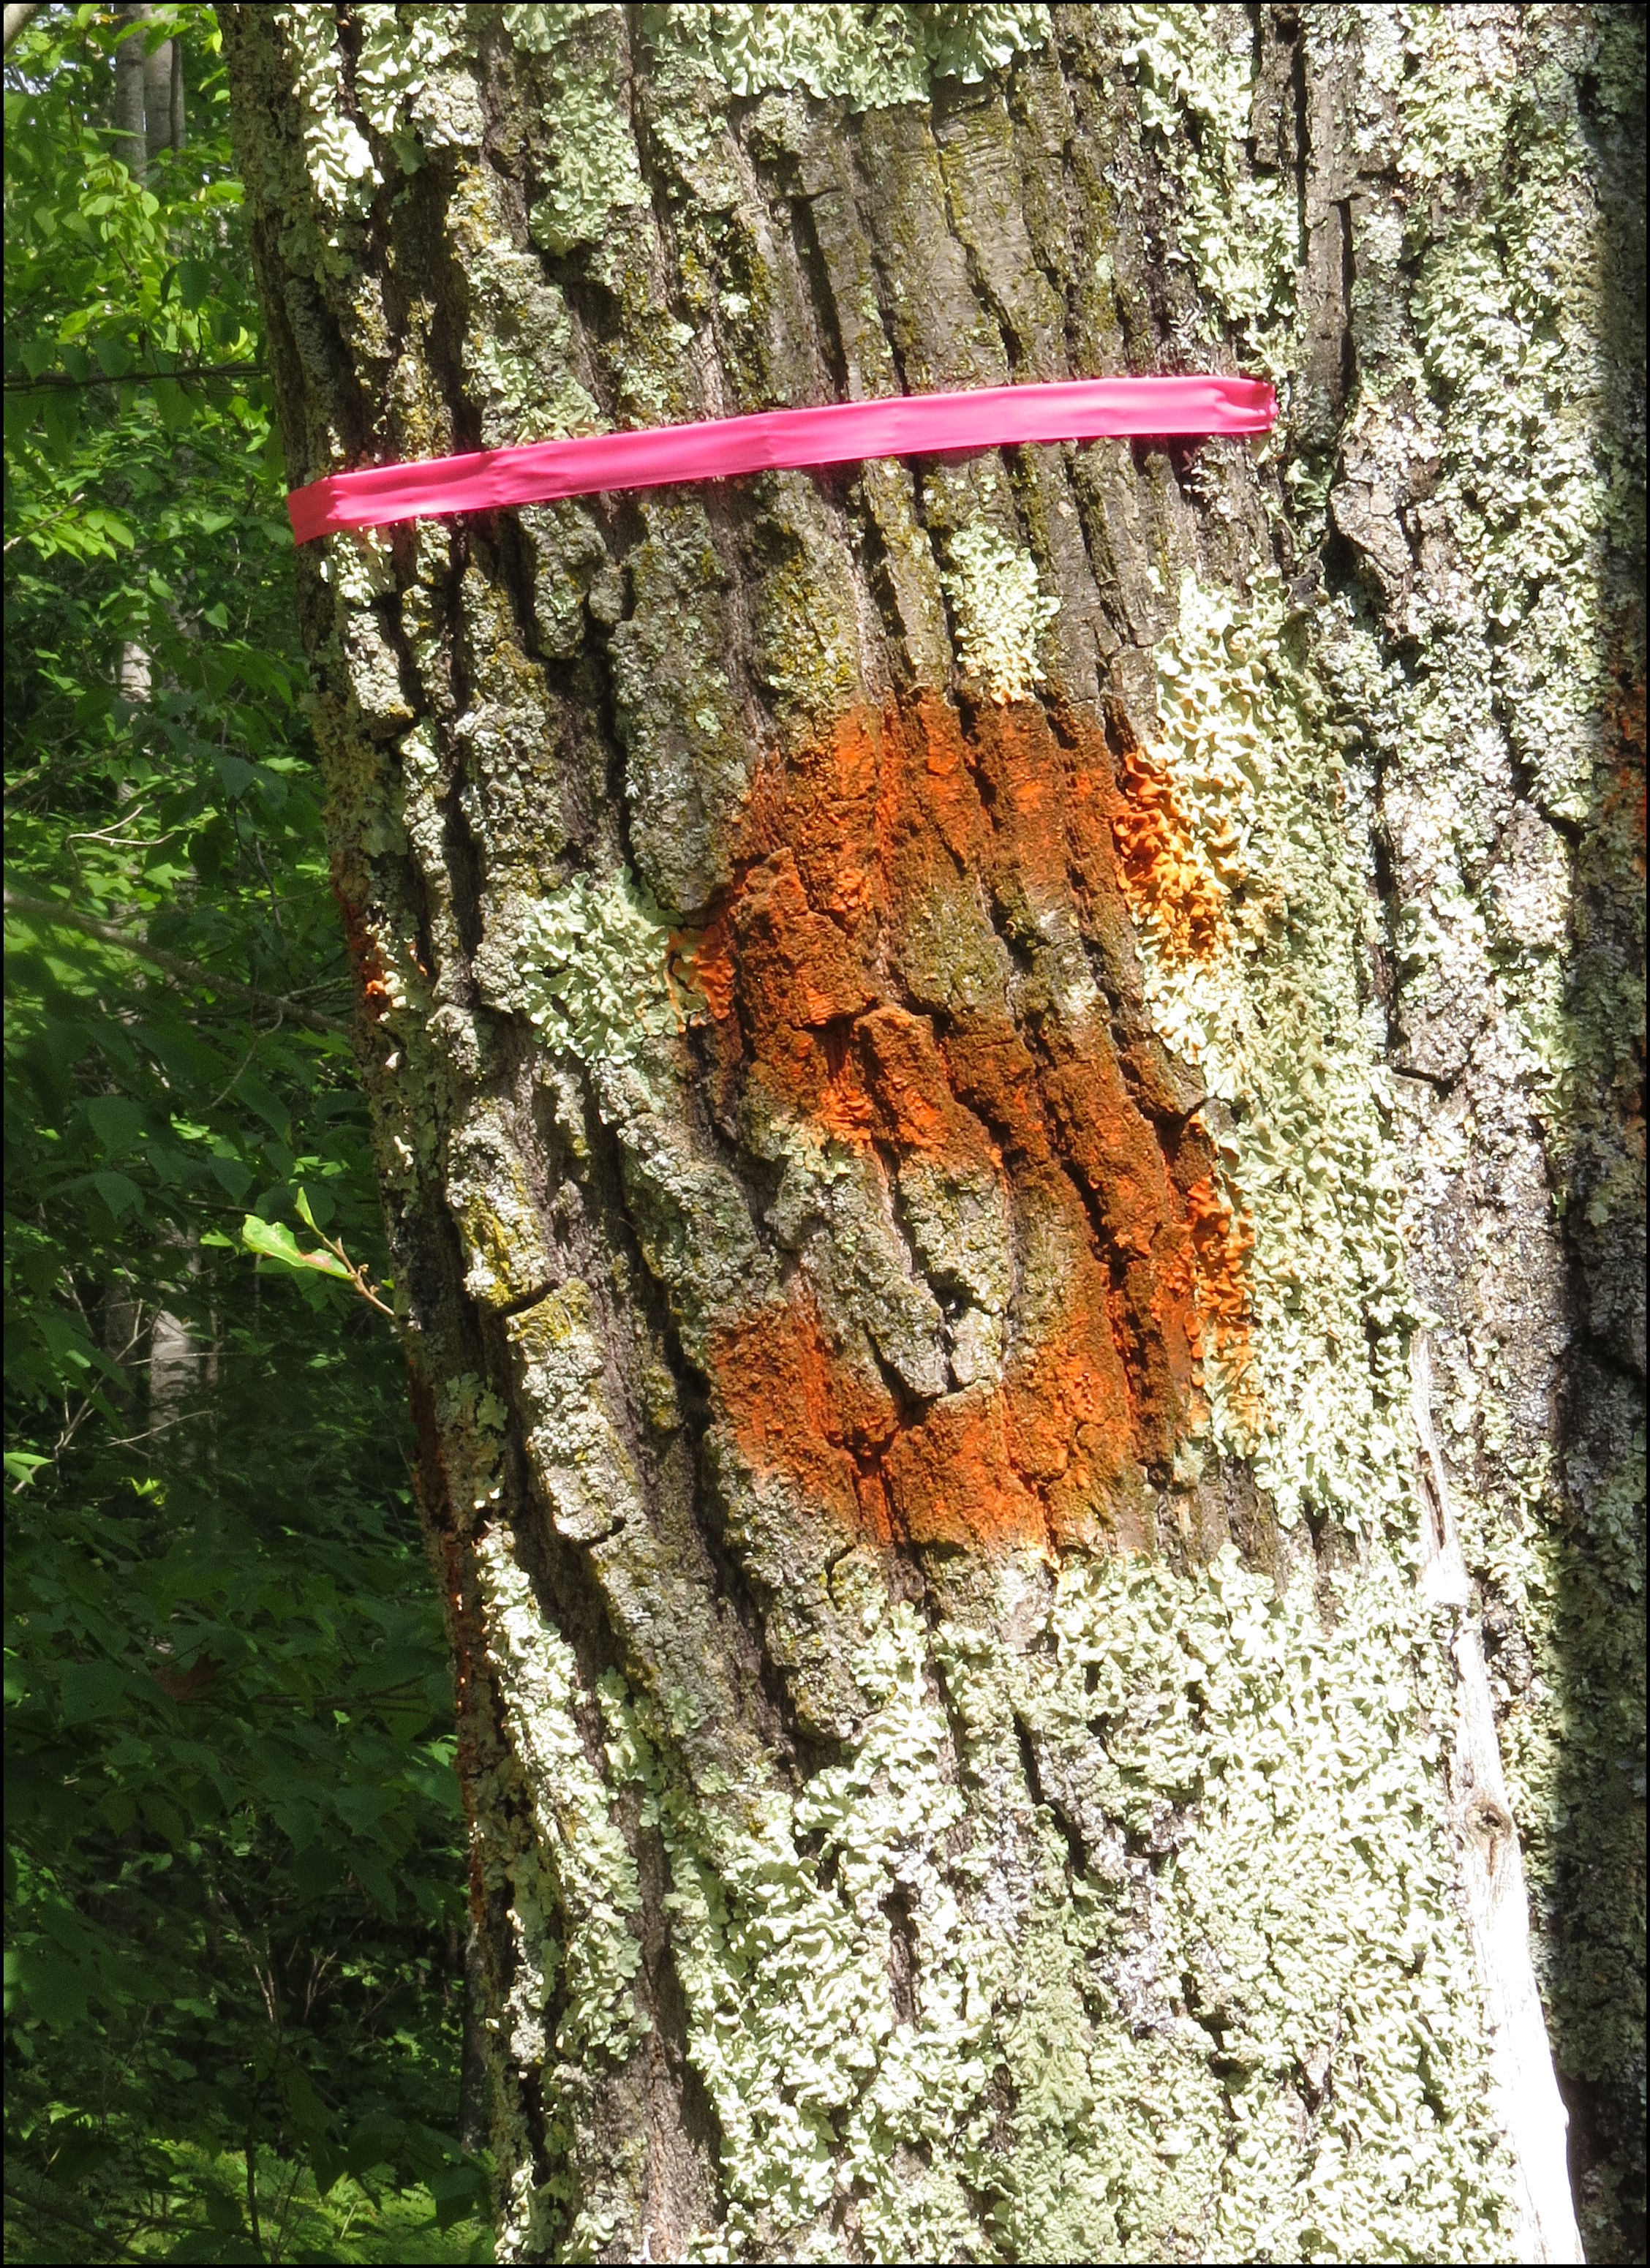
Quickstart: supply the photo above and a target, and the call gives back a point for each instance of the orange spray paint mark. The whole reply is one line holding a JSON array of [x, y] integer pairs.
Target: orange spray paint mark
[[364, 956], [1222, 1241], [902, 966], [1162, 877]]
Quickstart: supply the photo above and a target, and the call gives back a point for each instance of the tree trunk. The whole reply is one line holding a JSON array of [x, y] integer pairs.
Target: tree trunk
[[158, 77], [1006, 1096], [149, 113], [130, 75]]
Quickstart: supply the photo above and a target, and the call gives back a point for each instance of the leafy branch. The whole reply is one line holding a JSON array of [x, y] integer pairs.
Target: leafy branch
[[272, 1239], [49, 2207], [172, 964], [191, 1455], [62, 380]]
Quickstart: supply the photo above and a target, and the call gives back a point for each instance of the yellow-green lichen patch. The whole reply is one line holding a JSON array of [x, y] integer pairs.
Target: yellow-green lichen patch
[[489, 1197], [573, 1889], [688, 757], [867, 57], [1193, 70], [578, 1460], [587, 129], [593, 972], [1251, 908], [518, 347], [808, 630], [1219, 2003], [1000, 608]]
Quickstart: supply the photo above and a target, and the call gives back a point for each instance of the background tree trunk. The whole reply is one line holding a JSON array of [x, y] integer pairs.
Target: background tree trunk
[[148, 106], [130, 73], [1007, 1098]]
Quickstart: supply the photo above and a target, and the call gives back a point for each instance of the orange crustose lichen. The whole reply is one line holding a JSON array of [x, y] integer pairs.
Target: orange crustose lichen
[[904, 966]]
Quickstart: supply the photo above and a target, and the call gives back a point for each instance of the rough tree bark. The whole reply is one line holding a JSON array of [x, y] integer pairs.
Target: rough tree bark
[[1007, 1100], [149, 108]]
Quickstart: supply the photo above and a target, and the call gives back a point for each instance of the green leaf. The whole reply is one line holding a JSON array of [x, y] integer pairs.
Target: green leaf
[[237, 774], [172, 402], [104, 522], [77, 2149], [318, 1869], [224, 2214], [373, 2141], [374, 1875], [457, 2193], [310, 2114], [55, 1987], [117, 1121], [120, 1808], [89, 1690], [327, 2162], [232, 1176], [272, 1239], [165, 1817], [120, 1194], [62, 418], [265, 1102]]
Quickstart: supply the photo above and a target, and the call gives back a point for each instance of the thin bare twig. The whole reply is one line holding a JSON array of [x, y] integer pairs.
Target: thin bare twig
[[50, 520], [136, 1440], [59, 381], [72, 2220], [361, 1280]]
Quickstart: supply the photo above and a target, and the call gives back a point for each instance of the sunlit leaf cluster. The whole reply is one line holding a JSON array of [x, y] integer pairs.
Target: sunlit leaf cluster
[[234, 1869]]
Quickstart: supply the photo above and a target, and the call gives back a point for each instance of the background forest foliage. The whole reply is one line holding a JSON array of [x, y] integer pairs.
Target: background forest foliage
[[234, 1859]]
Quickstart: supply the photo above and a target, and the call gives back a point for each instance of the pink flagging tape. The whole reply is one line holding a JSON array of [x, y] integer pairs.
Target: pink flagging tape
[[840, 432]]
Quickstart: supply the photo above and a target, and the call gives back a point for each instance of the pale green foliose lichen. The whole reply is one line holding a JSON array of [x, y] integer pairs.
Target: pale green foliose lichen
[[411, 80], [1511, 387], [1194, 74], [869, 58], [1260, 1915], [1273, 1019], [472, 1419], [590, 136], [595, 976], [1001, 610], [573, 1891], [337, 155]]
